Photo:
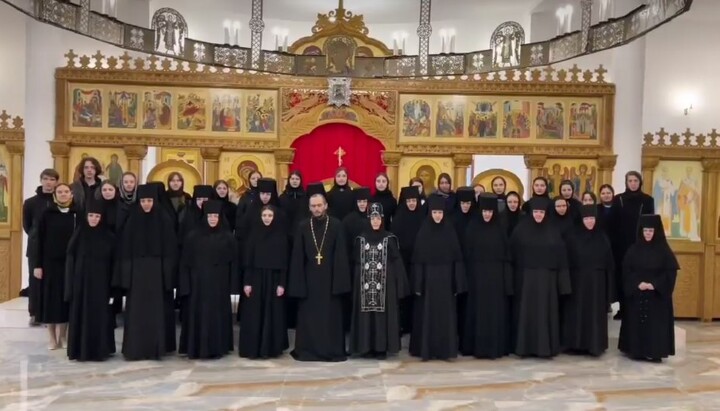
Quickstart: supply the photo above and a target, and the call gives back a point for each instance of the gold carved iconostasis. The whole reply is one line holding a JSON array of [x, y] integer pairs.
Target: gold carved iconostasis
[[12, 148], [682, 174]]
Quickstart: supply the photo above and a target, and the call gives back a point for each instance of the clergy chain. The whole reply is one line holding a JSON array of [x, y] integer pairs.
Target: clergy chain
[[322, 243]]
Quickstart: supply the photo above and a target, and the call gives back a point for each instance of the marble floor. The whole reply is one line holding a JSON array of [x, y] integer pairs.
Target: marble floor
[[33, 378]]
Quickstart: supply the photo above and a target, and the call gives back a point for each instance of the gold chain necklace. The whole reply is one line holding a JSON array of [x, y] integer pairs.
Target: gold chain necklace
[[319, 256]]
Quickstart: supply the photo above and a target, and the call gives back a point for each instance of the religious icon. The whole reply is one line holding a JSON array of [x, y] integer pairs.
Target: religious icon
[[550, 121], [416, 118], [260, 113], [191, 112], [677, 194], [170, 31], [450, 118], [226, 114], [339, 91], [428, 175], [583, 121], [505, 44], [114, 170], [4, 192], [556, 177], [340, 54], [244, 169], [483, 120], [87, 108], [583, 179], [516, 121], [123, 109], [157, 110]]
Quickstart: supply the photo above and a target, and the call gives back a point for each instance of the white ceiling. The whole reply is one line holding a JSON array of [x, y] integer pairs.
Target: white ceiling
[[391, 11]]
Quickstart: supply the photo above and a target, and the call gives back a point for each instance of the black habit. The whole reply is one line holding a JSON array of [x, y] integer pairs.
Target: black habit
[[88, 275], [263, 333], [207, 266], [487, 258], [33, 209], [540, 276], [320, 284], [592, 267], [648, 327], [438, 276], [146, 269], [341, 201], [378, 285]]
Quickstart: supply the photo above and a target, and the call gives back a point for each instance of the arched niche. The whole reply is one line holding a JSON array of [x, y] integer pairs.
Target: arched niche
[[161, 171], [512, 181]]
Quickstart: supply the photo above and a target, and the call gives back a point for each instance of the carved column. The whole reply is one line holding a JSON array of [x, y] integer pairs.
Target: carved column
[[61, 156], [256, 28], [606, 166], [709, 234], [462, 163], [16, 149], [424, 31], [391, 160], [536, 165], [649, 164], [135, 155], [283, 158], [211, 164]]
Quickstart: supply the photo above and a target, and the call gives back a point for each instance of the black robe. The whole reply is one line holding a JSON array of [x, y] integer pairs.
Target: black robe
[[406, 225], [389, 204], [207, 268], [564, 224], [263, 332], [487, 316], [584, 312], [88, 275], [295, 205], [321, 289], [229, 211], [541, 275], [511, 219], [146, 270], [33, 209], [438, 275], [648, 326], [378, 285], [55, 229], [341, 201], [354, 224]]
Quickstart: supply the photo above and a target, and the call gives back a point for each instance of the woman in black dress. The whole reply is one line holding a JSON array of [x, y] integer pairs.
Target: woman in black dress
[[560, 216], [250, 195], [222, 193], [55, 228], [294, 202], [445, 192], [499, 185], [384, 196], [513, 211], [263, 333], [175, 198], [209, 263], [567, 191], [109, 198], [649, 273], [128, 199], [539, 189], [341, 201], [88, 275]]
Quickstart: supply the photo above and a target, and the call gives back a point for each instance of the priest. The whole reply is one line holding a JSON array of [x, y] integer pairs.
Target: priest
[[319, 278]]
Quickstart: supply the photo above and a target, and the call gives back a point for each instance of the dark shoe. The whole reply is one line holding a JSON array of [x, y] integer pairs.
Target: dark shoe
[[25, 292]]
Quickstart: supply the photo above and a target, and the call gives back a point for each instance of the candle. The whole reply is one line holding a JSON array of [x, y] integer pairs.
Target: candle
[[452, 43], [237, 33], [285, 48], [104, 7], [402, 50], [227, 35], [395, 47], [276, 42]]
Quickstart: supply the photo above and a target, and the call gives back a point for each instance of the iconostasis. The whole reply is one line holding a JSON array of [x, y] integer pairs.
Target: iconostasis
[[12, 148]]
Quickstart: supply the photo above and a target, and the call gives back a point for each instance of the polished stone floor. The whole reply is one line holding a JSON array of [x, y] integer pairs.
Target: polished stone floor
[[33, 378]]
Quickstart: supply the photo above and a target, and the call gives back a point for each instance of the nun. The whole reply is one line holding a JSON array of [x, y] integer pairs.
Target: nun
[[145, 269], [207, 268], [88, 275], [650, 269], [592, 268], [487, 258], [263, 332], [379, 282], [438, 274]]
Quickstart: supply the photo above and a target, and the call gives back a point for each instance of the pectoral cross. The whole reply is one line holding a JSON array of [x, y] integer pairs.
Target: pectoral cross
[[319, 258], [340, 153]]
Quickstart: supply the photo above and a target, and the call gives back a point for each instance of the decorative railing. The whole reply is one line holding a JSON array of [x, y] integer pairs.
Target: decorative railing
[[595, 38]]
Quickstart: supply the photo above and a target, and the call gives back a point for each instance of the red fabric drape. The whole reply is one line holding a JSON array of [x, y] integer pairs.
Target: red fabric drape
[[315, 154]]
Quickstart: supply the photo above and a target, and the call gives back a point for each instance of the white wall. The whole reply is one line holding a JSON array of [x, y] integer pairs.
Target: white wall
[[681, 68], [12, 63], [513, 164]]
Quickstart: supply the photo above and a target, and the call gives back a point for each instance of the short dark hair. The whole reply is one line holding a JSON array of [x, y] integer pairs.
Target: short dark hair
[[50, 172]]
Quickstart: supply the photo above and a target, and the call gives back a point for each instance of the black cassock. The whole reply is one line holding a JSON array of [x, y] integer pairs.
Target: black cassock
[[540, 275], [145, 269], [378, 285], [648, 327], [263, 331], [438, 276], [207, 266], [55, 229], [487, 316], [88, 275], [320, 289], [584, 312]]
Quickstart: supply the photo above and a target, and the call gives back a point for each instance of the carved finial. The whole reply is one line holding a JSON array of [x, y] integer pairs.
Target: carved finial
[[125, 58], [4, 116], [549, 70], [688, 137], [662, 134], [70, 56], [112, 62], [701, 140], [587, 76], [713, 138], [18, 123], [85, 61], [601, 74], [674, 139], [648, 139], [562, 75], [153, 61], [165, 64], [139, 63], [535, 75], [98, 59], [575, 72]]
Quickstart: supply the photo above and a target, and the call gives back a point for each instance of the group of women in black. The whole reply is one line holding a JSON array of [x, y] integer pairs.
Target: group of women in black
[[477, 273]]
